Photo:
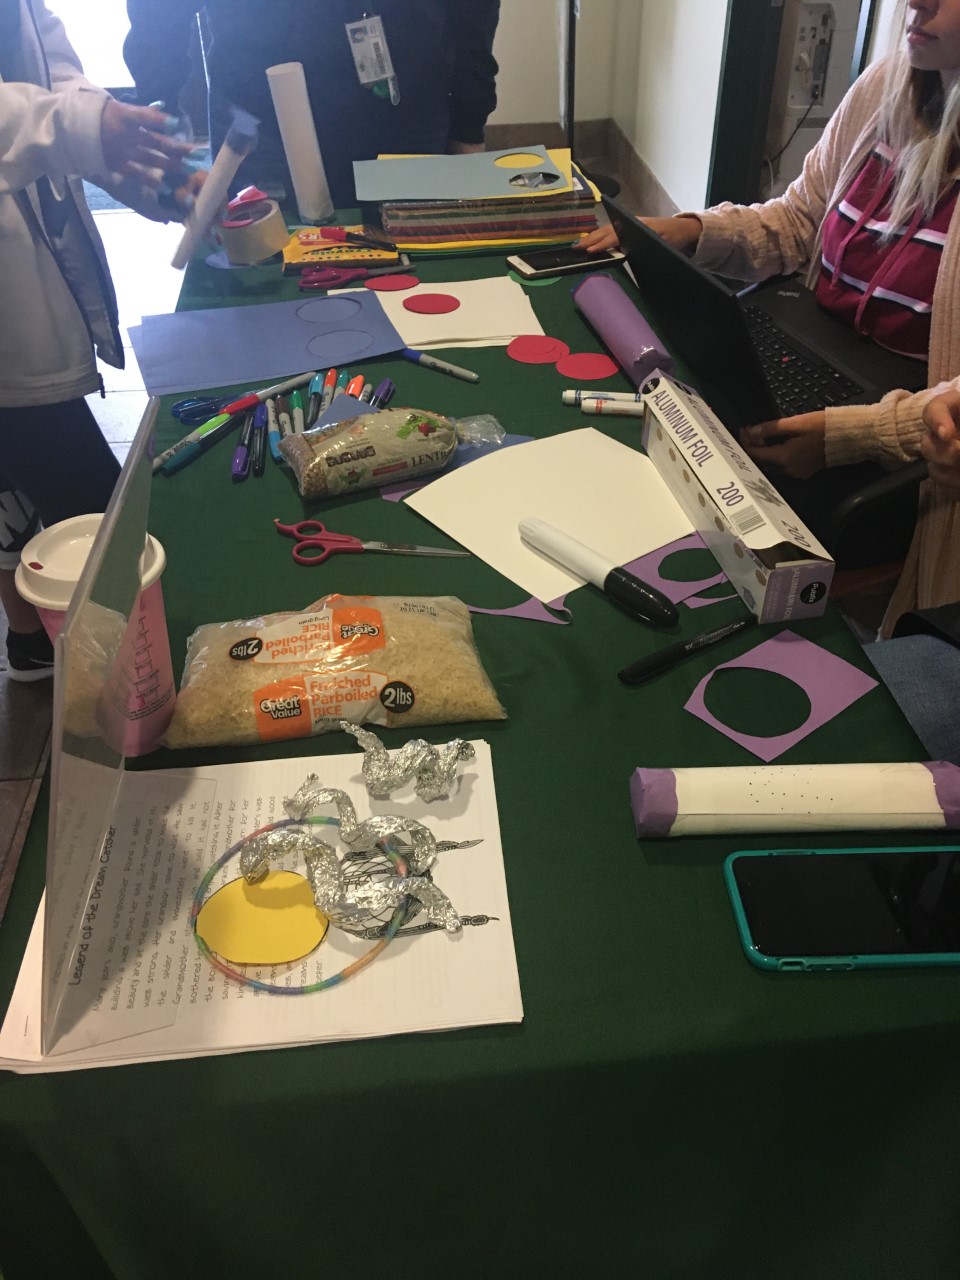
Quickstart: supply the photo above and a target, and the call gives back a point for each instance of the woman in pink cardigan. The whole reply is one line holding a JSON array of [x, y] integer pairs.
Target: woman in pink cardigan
[[874, 208]]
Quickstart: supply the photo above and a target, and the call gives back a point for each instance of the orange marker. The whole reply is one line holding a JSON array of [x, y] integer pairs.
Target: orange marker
[[355, 385]]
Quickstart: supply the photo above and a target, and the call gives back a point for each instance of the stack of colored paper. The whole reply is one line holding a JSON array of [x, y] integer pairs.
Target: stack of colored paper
[[446, 204]]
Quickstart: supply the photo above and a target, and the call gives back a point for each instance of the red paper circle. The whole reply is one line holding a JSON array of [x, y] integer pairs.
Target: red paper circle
[[432, 304], [586, 366], [537, 348], [391, 284]]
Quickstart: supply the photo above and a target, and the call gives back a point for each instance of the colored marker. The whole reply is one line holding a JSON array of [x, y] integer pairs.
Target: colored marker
[[195, 447], [283, 417], [441, 366], [613, 408], [316, 398], [638, 599], [382, 395], [637, 672], [240, 466], [296, 410], [329, 386], [249, 401], [366, 392], [355, 386], [343, 377], [259, 447], [578, 397], [273, 431]]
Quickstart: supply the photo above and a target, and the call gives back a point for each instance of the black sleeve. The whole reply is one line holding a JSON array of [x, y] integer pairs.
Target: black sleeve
[[157, 48], [474, 95], [943, 622]]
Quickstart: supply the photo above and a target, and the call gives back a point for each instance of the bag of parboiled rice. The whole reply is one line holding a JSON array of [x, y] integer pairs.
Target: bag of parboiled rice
[[384, 660]]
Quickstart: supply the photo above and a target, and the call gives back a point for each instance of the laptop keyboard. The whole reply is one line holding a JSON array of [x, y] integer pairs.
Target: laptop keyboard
[[800, 381]]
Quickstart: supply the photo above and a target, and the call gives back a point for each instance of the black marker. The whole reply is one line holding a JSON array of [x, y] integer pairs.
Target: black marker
[[640, 671], [642, 601], [258, 448]]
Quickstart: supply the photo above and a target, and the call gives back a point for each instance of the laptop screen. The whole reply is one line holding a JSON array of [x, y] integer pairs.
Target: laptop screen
[[700, 319]]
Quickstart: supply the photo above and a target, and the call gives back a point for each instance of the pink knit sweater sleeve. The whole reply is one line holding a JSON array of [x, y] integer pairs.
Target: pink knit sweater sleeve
[[754, 242], [888, 433]]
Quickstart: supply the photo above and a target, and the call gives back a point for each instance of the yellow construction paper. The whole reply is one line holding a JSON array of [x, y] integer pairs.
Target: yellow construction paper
[[517, 160], [274, 921]]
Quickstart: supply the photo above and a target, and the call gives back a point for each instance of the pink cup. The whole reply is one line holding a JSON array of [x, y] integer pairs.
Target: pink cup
[[139, 695]]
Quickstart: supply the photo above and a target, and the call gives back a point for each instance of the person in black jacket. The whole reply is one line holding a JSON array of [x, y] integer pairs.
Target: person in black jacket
[[442, 54]]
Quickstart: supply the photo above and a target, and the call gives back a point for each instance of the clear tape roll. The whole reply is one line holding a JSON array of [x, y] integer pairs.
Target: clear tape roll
[[260, 234]]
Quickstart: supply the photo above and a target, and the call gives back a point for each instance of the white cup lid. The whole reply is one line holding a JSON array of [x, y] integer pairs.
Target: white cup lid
[[51, 563]]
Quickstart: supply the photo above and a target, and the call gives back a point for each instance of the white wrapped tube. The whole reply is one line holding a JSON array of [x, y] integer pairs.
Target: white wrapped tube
[[801, 798], [288, 88], [240, 141]]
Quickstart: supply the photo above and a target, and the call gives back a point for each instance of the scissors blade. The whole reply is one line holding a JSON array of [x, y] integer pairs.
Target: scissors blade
[[410, 549]]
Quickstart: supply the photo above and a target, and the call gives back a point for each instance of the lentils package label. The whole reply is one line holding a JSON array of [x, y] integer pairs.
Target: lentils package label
[[386, 660], [368, 451]]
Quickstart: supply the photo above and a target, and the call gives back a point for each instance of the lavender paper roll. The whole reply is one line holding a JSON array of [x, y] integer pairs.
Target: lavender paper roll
[[622, 328]]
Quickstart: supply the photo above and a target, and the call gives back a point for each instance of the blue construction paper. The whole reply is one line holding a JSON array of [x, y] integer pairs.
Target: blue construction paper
[[340, 408], [256, 345], [469, 177]]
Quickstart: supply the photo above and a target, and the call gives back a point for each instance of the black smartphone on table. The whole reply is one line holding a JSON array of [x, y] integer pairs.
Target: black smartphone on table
[[809, 910]]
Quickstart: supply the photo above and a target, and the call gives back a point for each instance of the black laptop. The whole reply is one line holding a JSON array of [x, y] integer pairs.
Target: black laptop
[[766, 352]]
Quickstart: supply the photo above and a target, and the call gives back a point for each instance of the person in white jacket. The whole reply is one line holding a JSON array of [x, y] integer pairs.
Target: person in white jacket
[[58, 310]]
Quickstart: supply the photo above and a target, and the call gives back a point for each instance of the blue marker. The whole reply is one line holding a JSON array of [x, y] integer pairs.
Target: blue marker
[[273, 432], [315, 402]]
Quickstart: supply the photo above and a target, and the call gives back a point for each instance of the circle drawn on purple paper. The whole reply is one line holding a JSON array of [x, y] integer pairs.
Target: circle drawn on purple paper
[[328, 310], [338, 345], [757, 702]]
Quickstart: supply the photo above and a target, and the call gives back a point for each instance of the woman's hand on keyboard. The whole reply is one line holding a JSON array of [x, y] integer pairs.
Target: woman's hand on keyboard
[[791, 445]]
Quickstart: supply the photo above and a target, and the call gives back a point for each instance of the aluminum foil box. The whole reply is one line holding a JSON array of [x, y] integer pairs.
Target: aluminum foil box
[[776, 564]]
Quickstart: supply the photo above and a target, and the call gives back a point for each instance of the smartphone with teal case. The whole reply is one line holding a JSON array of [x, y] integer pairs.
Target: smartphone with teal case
[[811, 910]]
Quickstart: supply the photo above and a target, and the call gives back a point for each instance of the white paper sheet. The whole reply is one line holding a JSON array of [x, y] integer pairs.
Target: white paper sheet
[[604, 494], [144, 992], [492, 313]]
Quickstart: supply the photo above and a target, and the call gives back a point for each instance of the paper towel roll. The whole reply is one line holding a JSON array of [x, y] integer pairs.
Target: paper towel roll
[[288, 87], [621, 327], [817, 797], [258, 234]]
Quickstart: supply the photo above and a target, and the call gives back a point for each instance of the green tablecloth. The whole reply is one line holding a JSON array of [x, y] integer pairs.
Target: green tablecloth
[[664, 1110]]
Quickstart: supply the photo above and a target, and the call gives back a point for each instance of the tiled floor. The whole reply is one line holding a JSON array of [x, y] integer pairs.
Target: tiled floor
[[139, 253]]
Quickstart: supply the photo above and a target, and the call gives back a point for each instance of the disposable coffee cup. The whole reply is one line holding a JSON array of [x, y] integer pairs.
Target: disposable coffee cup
[[138, 696]]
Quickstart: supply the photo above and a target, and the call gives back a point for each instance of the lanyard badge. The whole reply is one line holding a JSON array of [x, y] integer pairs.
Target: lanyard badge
[[371, 57]]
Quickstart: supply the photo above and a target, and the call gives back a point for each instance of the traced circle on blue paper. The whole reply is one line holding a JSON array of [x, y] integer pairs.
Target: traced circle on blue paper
[[762, 704], [329, 310], [336, 345]]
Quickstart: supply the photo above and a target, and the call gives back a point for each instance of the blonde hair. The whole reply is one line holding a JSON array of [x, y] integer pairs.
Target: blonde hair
[[920, 122]]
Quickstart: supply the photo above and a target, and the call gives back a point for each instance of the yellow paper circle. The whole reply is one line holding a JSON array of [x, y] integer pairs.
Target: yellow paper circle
[[518, 160], [274, 921]]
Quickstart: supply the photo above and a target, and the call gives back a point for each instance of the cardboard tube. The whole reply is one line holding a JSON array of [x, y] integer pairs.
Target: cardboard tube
[[239, 142], [622, 328], [288, 87]]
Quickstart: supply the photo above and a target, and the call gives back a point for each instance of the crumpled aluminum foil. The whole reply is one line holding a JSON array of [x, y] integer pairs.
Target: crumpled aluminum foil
[[434, 768], [353, 897]]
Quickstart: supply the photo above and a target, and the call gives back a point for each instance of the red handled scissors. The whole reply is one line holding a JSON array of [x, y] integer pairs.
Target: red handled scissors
[[316, 543], [323, 278]]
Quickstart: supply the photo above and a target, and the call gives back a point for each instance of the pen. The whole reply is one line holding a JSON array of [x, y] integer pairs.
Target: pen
[[273, 431], [578, 397], [249, 401], [441, 366], [259, 447], [194, 448], [329, 386], [283, 417], [296, 409], [343, 377], [355, 386], [636, 597], [613, 408], [367, 392], [637, 672], [382, 394], [316, 398], [240, 466]]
